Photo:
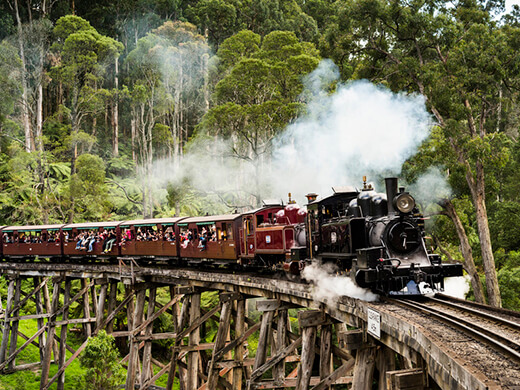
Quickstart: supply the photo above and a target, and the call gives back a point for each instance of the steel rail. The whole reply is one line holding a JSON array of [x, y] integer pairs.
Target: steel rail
[[477, 312], [476, 331], [477, 305]]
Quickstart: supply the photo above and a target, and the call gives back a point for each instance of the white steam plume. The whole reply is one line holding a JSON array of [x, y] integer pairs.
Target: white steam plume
[[361, 129], [457, 286], [431, 187], [329, 287]]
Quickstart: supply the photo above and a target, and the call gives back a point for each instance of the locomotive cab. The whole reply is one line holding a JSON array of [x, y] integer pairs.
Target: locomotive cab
[[335, 230]]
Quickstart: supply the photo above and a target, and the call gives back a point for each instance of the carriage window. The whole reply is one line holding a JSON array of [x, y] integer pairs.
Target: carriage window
[[30, 237], [212, 233], [148, 233], [259, 219], [168, 233], [187, 234], [229, 231], [127, 235]]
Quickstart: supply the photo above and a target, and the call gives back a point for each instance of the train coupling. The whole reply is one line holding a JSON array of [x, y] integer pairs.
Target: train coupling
[[416, 274]]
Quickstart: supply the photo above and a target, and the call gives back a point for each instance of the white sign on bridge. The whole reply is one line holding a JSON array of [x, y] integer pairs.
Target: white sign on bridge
[[374, 323]]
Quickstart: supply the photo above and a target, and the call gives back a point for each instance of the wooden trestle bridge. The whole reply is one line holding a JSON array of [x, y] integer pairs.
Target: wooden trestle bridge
[[336, 345]]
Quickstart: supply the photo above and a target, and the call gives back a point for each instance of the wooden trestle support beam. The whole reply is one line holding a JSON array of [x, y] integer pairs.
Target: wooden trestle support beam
[[305, 358]]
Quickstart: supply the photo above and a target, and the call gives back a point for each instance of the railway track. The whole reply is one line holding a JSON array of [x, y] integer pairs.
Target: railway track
[[498, 328]]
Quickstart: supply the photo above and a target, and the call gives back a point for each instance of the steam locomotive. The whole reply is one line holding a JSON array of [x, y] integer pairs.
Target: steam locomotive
[[377, 239]]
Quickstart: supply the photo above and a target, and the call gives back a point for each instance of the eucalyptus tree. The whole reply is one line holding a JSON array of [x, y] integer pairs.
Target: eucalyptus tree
[[259, 94], [33, 29], [10, 70], [221, 19], [83, 56], [88, 187], [461, 60]]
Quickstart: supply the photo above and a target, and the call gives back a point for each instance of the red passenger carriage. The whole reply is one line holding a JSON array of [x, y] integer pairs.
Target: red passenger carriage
[[43, 241], [268, 234], [100, 233], [150, 238], [211, 237]]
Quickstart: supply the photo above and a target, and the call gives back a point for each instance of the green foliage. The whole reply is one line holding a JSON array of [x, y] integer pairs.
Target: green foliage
[[258, 95], [68, 25], [120, 166], [30, 380], [218, 16], [84, 54], [509, 279], [6, 25], [183, 199], [83, 51], [87, 186], [505, 224], [91, 170], [101, 360], [239, 46], [224, 18], [166, 76]]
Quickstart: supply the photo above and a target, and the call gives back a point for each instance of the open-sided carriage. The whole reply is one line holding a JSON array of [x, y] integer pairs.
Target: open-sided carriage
[[30, 242], [91, 239], [154, 239]]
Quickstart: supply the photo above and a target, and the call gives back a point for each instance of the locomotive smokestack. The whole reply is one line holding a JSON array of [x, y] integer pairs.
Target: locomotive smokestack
[[391, 192]]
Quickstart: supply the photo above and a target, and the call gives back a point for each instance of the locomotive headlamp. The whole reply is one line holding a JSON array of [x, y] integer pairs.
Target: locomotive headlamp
[[404, 202]]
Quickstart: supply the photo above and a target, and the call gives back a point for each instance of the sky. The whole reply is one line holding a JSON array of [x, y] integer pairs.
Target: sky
[[509, 4]]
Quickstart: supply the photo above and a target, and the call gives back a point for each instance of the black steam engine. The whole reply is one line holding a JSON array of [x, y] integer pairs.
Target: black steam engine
[[378, 239]]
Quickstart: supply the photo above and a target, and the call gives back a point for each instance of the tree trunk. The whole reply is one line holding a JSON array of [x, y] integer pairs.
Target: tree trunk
[[74, 120], [59, 100], [477, 187], [132, 136], [29, 146], [38, 136], [94, 134], [177, 120], [115, 113], [39, 114], [488, 260], [183, 128], [205, 75], [149, 161], [467, 253]]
